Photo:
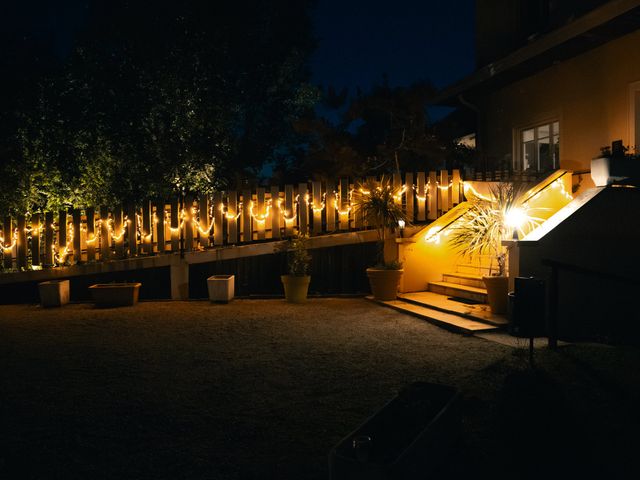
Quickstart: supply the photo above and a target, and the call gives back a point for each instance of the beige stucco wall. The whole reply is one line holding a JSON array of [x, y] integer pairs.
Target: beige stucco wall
[[589, 94]]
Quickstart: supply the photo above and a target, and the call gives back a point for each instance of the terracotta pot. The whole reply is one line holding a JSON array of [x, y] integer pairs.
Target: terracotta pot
[[115, 294], [295, 287], [384, 283], [497, 293]]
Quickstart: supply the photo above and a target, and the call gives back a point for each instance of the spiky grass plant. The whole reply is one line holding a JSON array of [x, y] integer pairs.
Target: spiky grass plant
[[375, 202], [481, 230]]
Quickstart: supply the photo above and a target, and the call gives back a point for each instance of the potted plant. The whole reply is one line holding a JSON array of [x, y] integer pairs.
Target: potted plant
[[296, 283], [481, 230], [375, 201]]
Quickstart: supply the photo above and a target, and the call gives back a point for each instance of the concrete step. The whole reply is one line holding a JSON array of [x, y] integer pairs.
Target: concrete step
[[448, 321], [457, 290], [472, 269], [467, 279], [479, 313]]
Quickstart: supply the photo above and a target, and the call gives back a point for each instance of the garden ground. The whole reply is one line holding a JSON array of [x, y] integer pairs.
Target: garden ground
[[264, 389]]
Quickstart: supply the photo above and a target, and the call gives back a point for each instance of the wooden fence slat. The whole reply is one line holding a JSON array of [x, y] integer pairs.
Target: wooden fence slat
[[62, 234], [218, 218], [77, 236], [316, 206], [397, 188], [175, 225], [132, 229], [90, 234], [432, 213], [409, 196], [48, 239], [105, 238], [117, 232], [35, 239], [443, 202], [276, 209], [358, 221], [330, 206], [21, 243], [303, 208], [260, 211], [421, 196], [290, 211], [247, 234], [189, 223], [146, 232], [161, 228], [456, 186], [344, 207], [204, 230], [232, 217]]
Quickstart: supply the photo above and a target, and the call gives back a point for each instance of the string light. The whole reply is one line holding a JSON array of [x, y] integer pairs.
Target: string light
[[313, 206], [260, 217], [14, 240]]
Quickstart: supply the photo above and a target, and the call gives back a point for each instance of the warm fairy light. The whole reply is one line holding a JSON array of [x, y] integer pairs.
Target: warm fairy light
[[468, 186], [433, 235], [14, 240], [314, 207], [259, 217], [398, 196]]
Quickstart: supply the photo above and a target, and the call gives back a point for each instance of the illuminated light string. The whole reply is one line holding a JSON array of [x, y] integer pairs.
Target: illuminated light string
[[314, 207], [14, 240]]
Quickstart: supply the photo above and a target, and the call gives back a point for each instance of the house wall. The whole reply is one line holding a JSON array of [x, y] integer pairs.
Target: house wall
[[589, 94]]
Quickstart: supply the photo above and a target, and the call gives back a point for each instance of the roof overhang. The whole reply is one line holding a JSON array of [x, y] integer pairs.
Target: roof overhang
[[612, 20]]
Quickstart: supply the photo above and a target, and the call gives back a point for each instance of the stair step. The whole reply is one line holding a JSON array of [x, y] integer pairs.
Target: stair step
[[453, 323], [478, 313], [457, 290], [464, 279], [472, 268]]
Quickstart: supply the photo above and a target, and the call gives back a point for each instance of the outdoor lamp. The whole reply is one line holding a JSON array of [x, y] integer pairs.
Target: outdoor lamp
[[401, 225]]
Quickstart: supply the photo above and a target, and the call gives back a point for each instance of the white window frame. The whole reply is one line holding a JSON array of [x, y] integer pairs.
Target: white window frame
[[518, 157]]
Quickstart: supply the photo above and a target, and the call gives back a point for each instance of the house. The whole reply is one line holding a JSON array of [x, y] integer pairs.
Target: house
[[556, 81]]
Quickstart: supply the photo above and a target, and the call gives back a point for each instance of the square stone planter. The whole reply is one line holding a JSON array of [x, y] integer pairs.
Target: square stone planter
[[115, 294], [221, 288], [406, 439], [54, 293]]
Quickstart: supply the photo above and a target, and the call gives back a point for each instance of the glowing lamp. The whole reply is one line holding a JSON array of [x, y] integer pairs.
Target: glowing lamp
[[515, 218], [401, 224]]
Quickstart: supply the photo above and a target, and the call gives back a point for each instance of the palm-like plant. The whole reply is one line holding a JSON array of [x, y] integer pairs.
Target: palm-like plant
[[375, 201], [481, 230]]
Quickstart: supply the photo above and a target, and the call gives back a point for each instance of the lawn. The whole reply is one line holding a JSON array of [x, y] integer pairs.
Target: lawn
[[263, 389]]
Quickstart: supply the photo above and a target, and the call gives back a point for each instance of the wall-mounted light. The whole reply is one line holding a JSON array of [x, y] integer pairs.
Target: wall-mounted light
[[401, 225]]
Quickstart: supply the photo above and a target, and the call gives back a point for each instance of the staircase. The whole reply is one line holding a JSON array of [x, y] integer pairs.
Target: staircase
[[457, 303]]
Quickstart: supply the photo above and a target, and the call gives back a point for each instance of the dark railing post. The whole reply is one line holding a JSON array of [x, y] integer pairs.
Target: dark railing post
[[553, 308]]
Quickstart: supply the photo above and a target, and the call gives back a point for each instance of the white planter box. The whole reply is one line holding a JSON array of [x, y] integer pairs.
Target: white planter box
[[54, 293], [221, 288]]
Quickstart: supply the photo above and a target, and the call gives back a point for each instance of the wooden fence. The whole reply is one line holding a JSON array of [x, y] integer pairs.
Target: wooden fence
[[78, 235]]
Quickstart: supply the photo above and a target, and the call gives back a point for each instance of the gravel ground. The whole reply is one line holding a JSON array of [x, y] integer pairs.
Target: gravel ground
[[253, 389]]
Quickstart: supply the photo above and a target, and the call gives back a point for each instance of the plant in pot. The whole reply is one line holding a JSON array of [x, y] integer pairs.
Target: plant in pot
[[296, 283], [375, 201], [481, 230]]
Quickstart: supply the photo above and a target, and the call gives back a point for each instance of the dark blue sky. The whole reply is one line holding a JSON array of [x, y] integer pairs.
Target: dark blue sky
[[408, 40]]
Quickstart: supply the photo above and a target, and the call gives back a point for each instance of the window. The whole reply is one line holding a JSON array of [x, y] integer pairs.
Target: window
[[539, 148]]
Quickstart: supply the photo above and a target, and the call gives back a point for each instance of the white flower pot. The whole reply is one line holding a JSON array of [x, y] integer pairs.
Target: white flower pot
[[54, 293], [221, 288]]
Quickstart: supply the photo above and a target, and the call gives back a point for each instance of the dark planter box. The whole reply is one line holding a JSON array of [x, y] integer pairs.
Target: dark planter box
[[405, 439], [115, 294]]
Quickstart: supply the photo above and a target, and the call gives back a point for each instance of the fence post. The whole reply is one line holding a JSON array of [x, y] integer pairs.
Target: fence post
[[457, 184], [204, 222], [409, 196], [175, 225], [232, 211], [433, 196], [276, 209], [62, 233], [160, 226], [443, 191], [91, 234], [77, 239], [146, 236], [303, 208], [105, 240], [48, 239], [35, 239], [316, 204], [188, 223], [290, 210], [118, 231], [260, 209], [247, 234], [330, 206], [218, 218], [21, 243]]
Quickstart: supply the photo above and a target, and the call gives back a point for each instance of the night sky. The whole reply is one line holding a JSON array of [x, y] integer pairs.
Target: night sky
[[359, 41]]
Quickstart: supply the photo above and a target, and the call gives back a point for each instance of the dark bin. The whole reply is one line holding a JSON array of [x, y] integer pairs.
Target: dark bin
[[404, 440], [527, 307]]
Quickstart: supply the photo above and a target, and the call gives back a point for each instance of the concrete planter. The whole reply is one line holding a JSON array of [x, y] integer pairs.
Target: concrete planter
[[221, 288], [497, 293], [54, 293], [115, 294], [406, 439], [384, 283], [295, 287]]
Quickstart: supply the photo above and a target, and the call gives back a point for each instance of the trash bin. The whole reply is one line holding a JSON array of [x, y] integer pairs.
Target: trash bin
[[527, 307]]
